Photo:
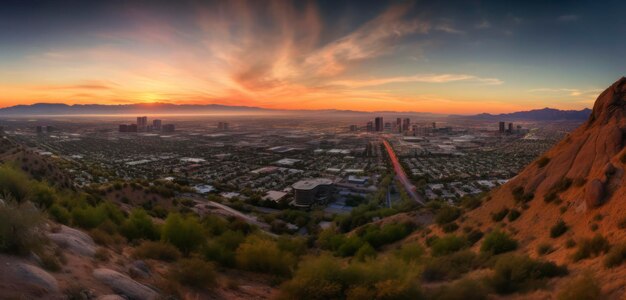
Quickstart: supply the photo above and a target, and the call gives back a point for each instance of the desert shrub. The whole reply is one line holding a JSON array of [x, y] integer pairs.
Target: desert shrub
[[156, 250], [473, 236], [139, 225], [498, 216], [411, 251], [498, 242], [543, 161], [583, 287], [544, 248], [263, 255], [570, 243], [21, 228], [221, 249], [42, 194], [326, 277], [521, 196], [104, 237], [513, 273], [91, 216], [378, 236], [185, 233], [463, 289], [194, 272], [447, 214], [470, 202], [450, 266], [330, 239], [616, 256], [50, 261], [591, 247], [365, 252], [293, 244], [59, 214], [550, 196], [450, 227], [558, 229], [350, 246], [513, 215], [14, 182], [447, 244]]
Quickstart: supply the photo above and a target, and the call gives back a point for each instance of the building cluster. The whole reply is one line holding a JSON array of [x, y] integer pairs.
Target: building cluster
[[44, 129], [143, 126], [222, 126]]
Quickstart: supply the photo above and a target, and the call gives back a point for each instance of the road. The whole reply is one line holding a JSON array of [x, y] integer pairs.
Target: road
[[401, 175]]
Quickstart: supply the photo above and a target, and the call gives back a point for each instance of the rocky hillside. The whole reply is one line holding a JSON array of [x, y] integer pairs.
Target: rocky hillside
[[571, 202]]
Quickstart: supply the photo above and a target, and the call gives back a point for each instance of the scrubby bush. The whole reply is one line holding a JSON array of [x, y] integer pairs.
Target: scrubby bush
[[447, 214], [558, 229], [591, 247], [447, 244], [450, 266], [21, 228], [139, 225], [471, 202], [515, 273], [263, 255], [583, 287], [91, 216], [616, 256], [450, 227], [473, 236], [544, 248], [185, 233], [410, 252], [498, 216], [326, 277], [498, 242], [463, 289], [513, 215], [350, 246], [14, 182], [221, 249], [365, 252], [194, 272], [156, 250], [521, 196], [59, 214], [378, 236]]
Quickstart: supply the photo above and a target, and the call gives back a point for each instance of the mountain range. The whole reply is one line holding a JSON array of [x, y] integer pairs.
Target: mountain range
[[44, 109]]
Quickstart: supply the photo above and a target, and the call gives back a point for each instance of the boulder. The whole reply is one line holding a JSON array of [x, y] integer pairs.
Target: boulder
[[594, 193], [74, 240], [124, 285], [35, 276], [139, 268]]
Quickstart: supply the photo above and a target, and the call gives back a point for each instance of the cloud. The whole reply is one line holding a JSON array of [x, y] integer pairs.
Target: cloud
[[484, 24], [422, 78], [568, 18]]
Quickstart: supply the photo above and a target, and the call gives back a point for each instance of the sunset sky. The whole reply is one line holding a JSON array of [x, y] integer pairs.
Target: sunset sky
[[425, 56]]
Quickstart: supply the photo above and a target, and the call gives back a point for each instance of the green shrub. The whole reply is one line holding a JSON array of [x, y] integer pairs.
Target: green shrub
[[463, 289], [616, 256], [350, 246], [14, 182], [409, 252], [591, 247], [365, 252], [263, 255], [558, 229], [90, 217], [498, 242], [194, 272], [583, 287], [156, 250], [520, 196], [471, 202], [42, 194], [447, 244], [498, 216], [544, 248], [450, 266], [21, 228], [59, 214], [513, 215], [139, 225], [515, 273], [450, 227], [379, 236], [447, 214], [473, 236], [185, 233]]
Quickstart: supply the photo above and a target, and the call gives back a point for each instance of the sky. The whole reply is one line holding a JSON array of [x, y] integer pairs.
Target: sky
[[458, 57]]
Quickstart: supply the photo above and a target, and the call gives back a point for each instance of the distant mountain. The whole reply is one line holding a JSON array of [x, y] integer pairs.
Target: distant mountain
[[545, 114], [80, 109]]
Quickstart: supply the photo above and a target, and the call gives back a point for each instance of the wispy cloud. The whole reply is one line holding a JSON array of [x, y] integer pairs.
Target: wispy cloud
[[422, 78]]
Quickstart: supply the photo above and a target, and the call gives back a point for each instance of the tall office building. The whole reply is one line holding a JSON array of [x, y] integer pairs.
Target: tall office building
[[156, 124], [370, 126], [379, 125], [222, 125], [510, 127], [142, 121], [406, 124], [502, 124], [399, 124]]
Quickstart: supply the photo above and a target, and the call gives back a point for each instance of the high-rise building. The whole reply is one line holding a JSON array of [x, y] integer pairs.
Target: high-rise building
[[434, 125], [406, 124], [379, 125], [370, 126], [156, 124], [501, 128], [39, 129], [510, 127], [399, 124], [142, 121], [354, 128]]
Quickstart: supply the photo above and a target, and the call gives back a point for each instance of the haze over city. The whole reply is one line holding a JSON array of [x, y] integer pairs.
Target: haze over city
[[442, 57]]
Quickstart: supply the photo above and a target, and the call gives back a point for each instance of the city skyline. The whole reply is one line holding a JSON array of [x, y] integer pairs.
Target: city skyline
[[464, 57]]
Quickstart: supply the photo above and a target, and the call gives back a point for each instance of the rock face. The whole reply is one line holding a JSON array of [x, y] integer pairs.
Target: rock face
[[74, 240], [124, 285], [35, 276], [594, 193]]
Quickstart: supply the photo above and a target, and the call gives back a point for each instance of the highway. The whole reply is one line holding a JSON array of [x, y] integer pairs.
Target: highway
[[401, 175]]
